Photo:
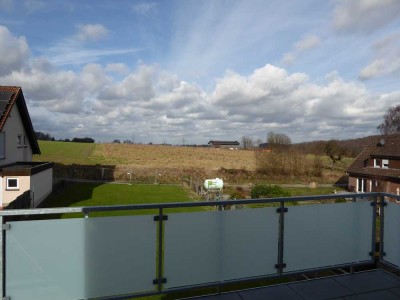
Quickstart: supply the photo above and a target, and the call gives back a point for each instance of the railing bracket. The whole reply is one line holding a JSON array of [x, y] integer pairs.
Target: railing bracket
[[157, 218], [163, 281], [6, 226], [280, 209], [280, 266]]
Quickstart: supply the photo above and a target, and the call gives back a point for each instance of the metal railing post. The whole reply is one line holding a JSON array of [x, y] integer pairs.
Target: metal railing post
[[374, 205], [2, 260], [160, 250], [281, 210], [381, 226]]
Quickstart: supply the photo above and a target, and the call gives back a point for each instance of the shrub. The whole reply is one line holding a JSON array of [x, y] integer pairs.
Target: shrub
[[268, 191]]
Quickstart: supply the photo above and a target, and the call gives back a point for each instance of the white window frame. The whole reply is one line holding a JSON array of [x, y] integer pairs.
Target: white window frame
[[19, 140], [363, 185], [385, 163], [8, 187], [376, 165]]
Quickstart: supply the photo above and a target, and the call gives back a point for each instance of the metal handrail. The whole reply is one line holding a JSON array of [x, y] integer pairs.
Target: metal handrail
[[88, 209]]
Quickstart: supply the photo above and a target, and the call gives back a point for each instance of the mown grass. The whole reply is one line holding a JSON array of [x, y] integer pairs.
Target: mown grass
[[92, 194], [65, 153]]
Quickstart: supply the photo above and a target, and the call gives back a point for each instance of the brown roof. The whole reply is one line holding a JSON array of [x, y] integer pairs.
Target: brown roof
[[384, 147], [9, 95], [225, 143]]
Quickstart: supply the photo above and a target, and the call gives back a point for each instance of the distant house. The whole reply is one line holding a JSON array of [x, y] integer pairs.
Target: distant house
[[377, 168], [224, 144], [18, 143]]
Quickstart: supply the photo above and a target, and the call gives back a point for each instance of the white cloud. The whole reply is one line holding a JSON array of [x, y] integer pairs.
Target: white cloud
[[91, 32], [365, 15], [308, 42], [386, 52], [144, 8], [32, 6], [154, 104], [14, 51]]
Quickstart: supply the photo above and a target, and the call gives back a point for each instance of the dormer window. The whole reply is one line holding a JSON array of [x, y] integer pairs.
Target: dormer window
[[377, 163], [385, 163]]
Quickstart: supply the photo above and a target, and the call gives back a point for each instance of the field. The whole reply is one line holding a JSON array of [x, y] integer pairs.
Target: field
[[174, 162], [65, 153], [92, 194]]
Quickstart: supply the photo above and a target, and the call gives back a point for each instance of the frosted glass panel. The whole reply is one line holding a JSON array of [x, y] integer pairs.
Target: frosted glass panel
[[80, 258], [192, 248], [250, 242], [391, 240], [327, 234], [222, 245]]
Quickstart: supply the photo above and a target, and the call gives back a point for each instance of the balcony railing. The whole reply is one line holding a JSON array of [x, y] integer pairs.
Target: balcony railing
[[121, 257]]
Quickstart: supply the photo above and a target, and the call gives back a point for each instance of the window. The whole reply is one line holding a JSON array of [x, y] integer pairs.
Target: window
[[2, 145], [385, 163], [361, 185], [377, 163], [12, 184], [19, 140], [24, 140]]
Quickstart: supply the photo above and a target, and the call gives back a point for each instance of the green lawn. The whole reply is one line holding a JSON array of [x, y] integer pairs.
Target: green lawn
[[65, 153], [93, 194]]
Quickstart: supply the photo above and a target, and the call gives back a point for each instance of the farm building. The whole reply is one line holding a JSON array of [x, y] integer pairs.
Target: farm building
[[224, 144]]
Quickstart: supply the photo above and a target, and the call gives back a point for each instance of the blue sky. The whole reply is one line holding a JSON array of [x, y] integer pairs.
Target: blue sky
[[191, 71]]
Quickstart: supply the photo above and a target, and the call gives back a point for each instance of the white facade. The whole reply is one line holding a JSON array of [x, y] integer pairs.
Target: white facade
[[41, 186], [17, 147]]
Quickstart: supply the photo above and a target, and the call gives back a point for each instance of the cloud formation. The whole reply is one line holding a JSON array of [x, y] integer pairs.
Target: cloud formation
[[306, 43], [386, 61], [364, 15], [91, 32], [14, 51]]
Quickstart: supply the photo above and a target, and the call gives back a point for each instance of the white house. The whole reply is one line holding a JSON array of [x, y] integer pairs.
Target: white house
[[18, 143]]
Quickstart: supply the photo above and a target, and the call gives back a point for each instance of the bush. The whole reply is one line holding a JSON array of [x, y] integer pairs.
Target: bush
[[268, 191]]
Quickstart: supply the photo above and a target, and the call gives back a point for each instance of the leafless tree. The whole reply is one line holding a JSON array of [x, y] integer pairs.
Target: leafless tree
[[391, 121]]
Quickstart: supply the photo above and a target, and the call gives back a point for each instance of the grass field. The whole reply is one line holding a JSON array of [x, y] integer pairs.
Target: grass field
[[92, 194], [175, 161], [65, 153]]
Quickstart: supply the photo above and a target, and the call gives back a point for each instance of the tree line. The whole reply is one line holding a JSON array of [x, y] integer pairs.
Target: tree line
[[47, 137]]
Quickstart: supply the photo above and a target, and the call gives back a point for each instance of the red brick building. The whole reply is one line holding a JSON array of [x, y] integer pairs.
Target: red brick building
[[377, 168]]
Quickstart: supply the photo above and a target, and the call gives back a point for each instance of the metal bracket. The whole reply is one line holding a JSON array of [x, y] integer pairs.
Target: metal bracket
[[6, 226], [163, 280], [6, 298], [157, 218], [279, 210], [280, 266], [373, 203], [383, 253]]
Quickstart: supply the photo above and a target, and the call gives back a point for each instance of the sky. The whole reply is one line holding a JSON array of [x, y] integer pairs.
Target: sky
[[189, 71]]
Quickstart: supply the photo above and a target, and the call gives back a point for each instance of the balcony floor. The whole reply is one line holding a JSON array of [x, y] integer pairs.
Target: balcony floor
[[369, 285]]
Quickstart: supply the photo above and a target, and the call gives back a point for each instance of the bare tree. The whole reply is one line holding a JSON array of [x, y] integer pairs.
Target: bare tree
[[334, 151], [278, 140], [247, 142], [391, 121]]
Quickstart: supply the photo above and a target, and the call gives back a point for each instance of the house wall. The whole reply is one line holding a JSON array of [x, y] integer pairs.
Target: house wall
[[10, 195], [12, 128], [383, 186], [41, 186]]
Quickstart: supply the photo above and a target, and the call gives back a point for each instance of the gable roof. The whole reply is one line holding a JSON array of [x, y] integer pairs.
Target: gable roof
[[9, 96], [390, 148], [224, 143]]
